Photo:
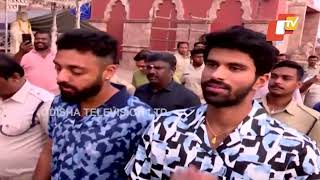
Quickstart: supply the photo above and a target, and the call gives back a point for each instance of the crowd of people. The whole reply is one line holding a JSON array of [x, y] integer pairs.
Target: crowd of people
[[232, 108]]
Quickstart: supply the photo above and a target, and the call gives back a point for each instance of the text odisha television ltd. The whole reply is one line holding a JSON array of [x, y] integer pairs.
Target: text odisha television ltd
[[103, 112], [285, 24]]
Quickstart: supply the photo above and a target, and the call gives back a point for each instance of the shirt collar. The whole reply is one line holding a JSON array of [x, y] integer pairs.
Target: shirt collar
[[291, 108], [257, 112], [184, 57], [251, 126], [170, 87], [51, 52], [21, 95], [118, 100]]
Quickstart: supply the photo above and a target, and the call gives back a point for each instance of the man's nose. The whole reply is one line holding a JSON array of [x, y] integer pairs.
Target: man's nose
[[63, 76], [220, 73]]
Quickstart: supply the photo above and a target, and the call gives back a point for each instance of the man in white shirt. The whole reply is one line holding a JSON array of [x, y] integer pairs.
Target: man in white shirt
[[191, 77], [182, 57], [24, 114], [312, 67]]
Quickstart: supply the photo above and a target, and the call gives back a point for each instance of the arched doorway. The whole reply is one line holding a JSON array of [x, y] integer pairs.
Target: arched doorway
[[115, 22], [163, 31], [226, 19]]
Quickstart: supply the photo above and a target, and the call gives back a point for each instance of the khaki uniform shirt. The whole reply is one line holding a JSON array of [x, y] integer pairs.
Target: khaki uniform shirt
[[19, 154], [299, 117]]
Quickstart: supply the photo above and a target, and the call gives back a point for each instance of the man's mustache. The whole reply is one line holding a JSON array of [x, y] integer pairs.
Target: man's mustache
[[213, 82], [66, 85]]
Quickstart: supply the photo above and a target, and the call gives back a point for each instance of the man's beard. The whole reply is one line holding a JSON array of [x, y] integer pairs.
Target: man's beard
[[45, 47], [80, 95], [231, 99]]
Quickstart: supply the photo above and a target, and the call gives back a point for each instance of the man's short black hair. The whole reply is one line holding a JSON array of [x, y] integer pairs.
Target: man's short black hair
[[164, 57], [291, 64], [196, 51], [196, 43], [182, 42], [263, 53], [98, 43], [284, 54], [8, 66], [142, 55], [313, 56], [43, 32]]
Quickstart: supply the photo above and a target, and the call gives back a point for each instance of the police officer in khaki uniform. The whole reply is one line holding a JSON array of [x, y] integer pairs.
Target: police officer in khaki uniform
[[286, 76], [24, 114]]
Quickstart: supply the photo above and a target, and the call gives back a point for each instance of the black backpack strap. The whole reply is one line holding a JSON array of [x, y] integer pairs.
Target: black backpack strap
[[33, 120]]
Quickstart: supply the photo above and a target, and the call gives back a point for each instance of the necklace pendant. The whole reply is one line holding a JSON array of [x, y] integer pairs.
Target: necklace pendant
[[214, 140]]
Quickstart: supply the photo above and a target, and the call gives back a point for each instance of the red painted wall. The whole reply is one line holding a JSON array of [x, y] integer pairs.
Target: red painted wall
[[268, 9], [229, 14], [98, 8], [159, 37], [115, 24], [225, 18], [198, 8], [140, 10], [282, 7]]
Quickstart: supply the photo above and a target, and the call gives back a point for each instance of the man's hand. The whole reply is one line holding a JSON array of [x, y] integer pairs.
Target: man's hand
[[191, 174], [25, 47]]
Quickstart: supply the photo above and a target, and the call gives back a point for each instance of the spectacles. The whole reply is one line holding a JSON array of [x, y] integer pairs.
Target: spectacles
[[14, 131], [150, 67]]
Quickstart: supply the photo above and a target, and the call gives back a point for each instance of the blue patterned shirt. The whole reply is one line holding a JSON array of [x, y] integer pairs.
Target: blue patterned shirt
[[99, 145], [259, 148]]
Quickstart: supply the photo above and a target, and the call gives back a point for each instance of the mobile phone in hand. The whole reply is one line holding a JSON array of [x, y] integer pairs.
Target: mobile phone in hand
[[26, 38]]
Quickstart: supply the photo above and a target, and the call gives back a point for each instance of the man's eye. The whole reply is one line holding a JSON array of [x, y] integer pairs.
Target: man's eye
[[235, 68], [76, 72]]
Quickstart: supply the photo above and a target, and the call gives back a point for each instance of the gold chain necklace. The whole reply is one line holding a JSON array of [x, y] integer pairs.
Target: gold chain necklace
[[214, 138]]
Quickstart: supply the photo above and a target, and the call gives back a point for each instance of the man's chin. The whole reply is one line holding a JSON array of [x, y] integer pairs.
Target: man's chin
[[69, 97]]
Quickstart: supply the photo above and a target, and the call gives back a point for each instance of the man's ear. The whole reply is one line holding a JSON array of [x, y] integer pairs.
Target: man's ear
[[300, 83], [174, 68], [109, 71], [261, 81], [15, 77]]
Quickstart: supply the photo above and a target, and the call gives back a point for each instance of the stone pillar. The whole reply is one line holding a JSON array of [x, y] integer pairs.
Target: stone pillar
[[190, 31], [136, 36], [310, 29], [300, 10]]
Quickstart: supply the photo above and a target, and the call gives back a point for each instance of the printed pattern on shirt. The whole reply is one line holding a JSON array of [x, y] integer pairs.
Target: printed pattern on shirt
[[95, 147], [259, 148]]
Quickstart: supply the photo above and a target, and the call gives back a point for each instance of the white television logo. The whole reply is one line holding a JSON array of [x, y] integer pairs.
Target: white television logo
[[281, 25]]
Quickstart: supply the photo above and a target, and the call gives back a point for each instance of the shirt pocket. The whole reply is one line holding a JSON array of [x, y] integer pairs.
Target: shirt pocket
[[15, 127]]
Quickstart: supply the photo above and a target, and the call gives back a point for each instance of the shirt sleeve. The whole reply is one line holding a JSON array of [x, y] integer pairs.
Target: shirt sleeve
[[139, 166], [315, 132], [309, 160]]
